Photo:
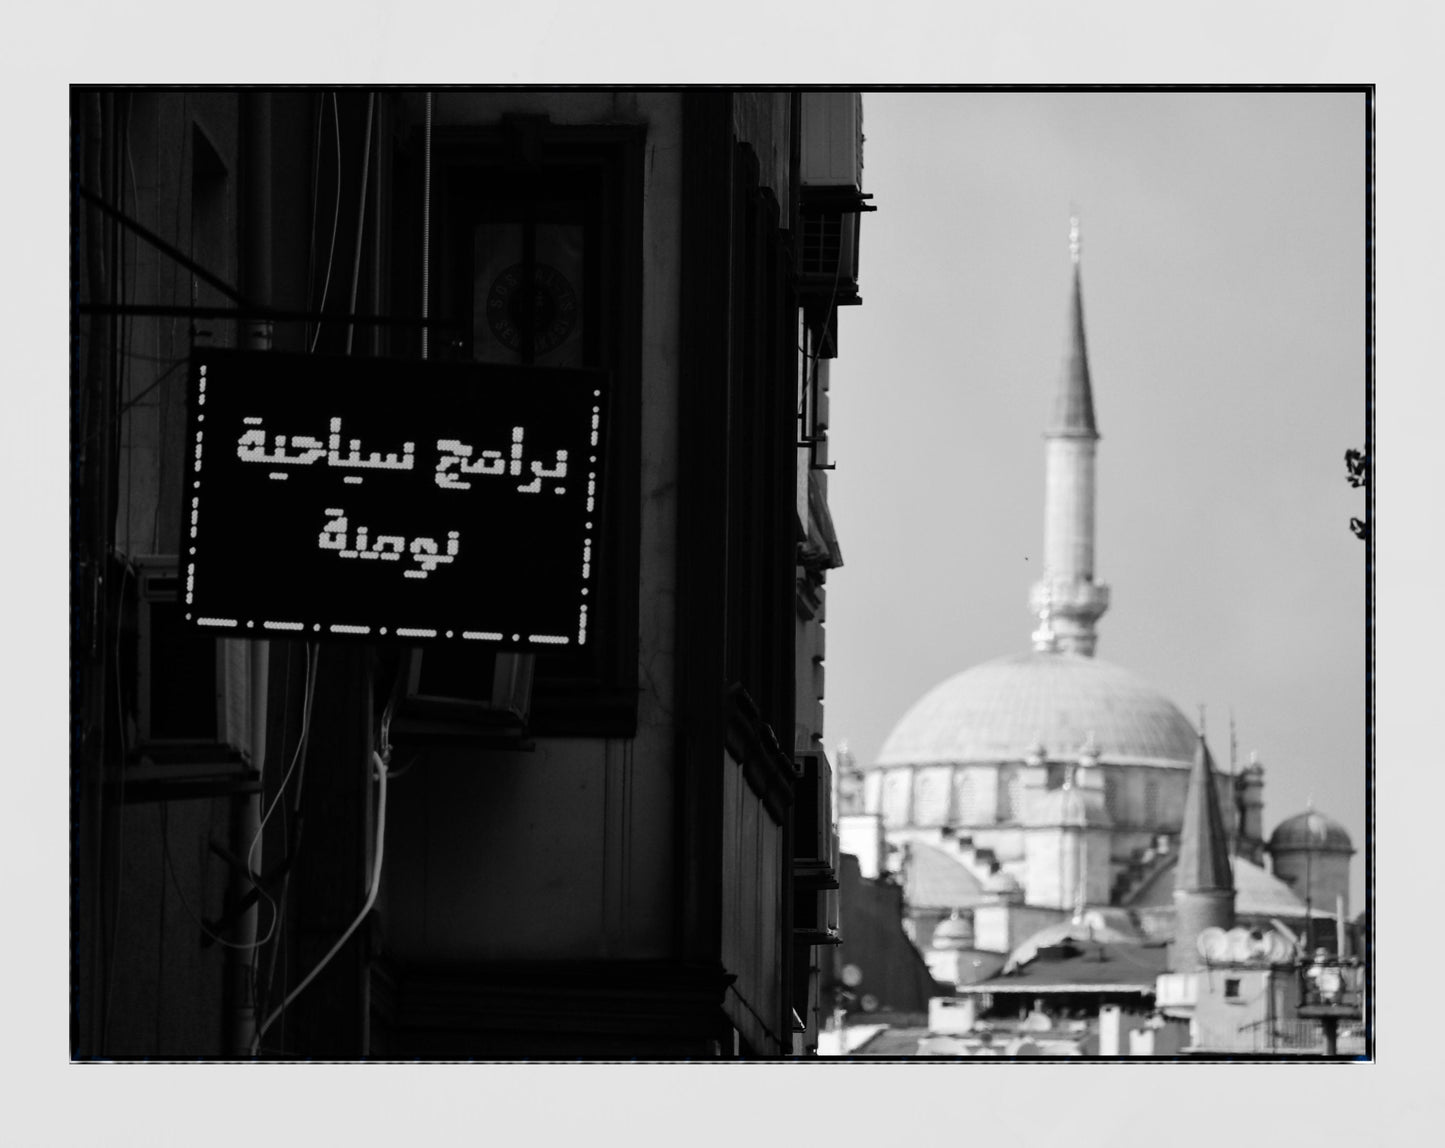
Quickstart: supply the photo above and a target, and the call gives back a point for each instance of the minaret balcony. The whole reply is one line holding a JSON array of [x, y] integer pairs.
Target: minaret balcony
[[1070, 598]]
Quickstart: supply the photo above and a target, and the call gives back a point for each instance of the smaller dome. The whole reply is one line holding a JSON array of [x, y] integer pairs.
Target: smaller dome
[[954, 933], [1002, 886], [1310, 830]]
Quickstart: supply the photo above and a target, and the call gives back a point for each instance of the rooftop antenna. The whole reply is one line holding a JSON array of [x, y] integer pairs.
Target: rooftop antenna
[[1233, 790]]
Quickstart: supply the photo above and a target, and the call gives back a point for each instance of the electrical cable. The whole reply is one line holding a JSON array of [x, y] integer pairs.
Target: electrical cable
[[426, 228], [335, 219], [309, 692], [86, 403], [119, 333], [159, 380], [285, 836], [119, 815], [360, 218], [258, 976], [180, 893], [162, 377], [311, 236], [275, 912], [176, 281], [312, 656], [373, 889]]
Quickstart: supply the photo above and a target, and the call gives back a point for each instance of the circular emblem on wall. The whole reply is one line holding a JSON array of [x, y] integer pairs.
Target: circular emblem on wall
[[553, 306]]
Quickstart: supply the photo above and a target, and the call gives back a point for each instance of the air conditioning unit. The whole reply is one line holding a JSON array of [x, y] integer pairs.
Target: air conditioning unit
[[831, 199], [462, 696], [192, 691], [832, 143]]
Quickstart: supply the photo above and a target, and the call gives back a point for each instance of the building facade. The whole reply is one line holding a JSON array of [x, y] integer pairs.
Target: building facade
[[329, 849]]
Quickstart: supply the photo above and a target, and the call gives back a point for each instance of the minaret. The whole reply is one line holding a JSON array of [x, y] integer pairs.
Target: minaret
[[1066, 600], [1203, 879]]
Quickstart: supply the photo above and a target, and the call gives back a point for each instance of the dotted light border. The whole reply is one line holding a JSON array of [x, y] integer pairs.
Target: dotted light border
[[401, 631]]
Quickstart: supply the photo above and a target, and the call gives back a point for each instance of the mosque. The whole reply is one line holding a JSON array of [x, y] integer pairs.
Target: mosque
[[1043, 795]]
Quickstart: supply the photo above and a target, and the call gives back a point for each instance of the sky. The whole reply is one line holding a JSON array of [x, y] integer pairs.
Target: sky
[[1223, 269]]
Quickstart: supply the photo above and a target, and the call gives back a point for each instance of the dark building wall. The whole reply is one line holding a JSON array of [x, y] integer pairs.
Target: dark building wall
[[893, 971], [144, 877], [622, 879]]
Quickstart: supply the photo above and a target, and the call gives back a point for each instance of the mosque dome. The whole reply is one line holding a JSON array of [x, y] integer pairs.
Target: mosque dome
[[1312, 831], [1001, 710]]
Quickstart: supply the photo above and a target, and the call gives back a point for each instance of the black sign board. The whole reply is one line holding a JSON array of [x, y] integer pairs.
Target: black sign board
[[389, 500]]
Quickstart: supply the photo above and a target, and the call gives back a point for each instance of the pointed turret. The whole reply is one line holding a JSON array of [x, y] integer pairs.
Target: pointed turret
[[1203, 878], [1203, 841], [1066, 600]]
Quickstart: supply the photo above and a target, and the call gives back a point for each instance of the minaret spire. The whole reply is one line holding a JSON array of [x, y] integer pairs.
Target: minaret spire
[[1067, 601]]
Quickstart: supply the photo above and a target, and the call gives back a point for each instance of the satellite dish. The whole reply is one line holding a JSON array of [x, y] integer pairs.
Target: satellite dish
[[1211, 943], [869, 1002], [852, 976], [1277, 949]]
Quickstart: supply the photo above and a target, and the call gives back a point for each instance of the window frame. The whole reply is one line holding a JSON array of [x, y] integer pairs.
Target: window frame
[[534, 164]]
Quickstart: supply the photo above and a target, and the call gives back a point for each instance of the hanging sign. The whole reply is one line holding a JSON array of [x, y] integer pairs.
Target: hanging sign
[[391, 500]]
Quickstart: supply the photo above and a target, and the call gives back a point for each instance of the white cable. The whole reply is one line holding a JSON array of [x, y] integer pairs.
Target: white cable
[[361, 916], [297, 755], [260, 830]]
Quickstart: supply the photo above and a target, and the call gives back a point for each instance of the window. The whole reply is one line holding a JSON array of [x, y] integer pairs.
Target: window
[[1112, 805], [1011, 795], [1231, 988], [536, 259], [897, 789], [1151, 803], [968, 803]]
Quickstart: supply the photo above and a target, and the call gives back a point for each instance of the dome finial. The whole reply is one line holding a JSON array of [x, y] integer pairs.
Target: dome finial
[[1075, 244]]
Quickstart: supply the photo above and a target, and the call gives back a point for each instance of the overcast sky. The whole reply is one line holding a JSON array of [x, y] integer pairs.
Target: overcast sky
[[1224, 303]]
